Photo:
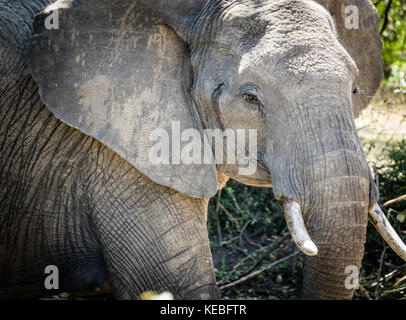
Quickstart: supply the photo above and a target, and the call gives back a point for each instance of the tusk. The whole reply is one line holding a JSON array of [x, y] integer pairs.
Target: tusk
[[387, 232], [294, 220]]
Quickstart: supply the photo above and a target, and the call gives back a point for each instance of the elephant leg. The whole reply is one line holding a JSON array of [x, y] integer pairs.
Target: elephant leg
[[154, 238]]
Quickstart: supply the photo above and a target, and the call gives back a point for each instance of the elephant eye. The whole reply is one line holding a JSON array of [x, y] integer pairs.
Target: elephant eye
[[251, 97]]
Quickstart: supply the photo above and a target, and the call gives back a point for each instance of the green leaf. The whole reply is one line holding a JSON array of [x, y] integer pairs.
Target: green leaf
[[401, 217]]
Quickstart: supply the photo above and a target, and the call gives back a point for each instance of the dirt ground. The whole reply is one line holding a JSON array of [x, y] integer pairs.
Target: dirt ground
[[382, 122]]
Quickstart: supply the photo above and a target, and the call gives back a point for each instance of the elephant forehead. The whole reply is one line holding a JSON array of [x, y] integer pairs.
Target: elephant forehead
[[298, 58], [248, 23], [292, 35]]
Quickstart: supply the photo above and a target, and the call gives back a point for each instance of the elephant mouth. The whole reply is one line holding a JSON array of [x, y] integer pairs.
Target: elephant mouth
[[261, 178]]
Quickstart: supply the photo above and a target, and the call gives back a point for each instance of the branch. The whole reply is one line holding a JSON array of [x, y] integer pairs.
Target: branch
[[365, 292], [229, 215], [396, 200], [256, 273], [385, 22], [380, 272], [399, 282], [387, 277], [268, 250]]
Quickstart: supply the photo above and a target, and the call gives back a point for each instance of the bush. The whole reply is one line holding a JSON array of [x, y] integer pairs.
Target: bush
[[381, 262]]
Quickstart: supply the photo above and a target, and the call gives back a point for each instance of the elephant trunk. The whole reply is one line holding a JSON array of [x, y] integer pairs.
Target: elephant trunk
[[324, 171], [336, 221], [320, 173], [338, 230], [320, 283]]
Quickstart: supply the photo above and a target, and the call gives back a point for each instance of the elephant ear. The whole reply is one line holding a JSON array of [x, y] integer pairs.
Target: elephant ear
[[116, 73], [363, 44]]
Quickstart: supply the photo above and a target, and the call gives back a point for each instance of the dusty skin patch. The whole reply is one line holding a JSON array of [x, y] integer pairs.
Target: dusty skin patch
[[94, 92]]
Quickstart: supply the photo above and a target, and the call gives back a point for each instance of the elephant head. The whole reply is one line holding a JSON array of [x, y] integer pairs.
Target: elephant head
[[290, 69]]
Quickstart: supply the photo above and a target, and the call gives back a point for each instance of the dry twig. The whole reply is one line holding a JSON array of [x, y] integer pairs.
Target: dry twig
[[365, 292], [268, 250], [380, 272], [258, 272], [395, 201], [399, 282]]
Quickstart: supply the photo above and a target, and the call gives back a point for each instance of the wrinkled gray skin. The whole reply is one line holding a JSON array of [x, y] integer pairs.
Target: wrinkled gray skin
[[75, 190]]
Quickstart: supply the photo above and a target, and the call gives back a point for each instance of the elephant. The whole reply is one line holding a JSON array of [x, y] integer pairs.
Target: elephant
[[84, 84]]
